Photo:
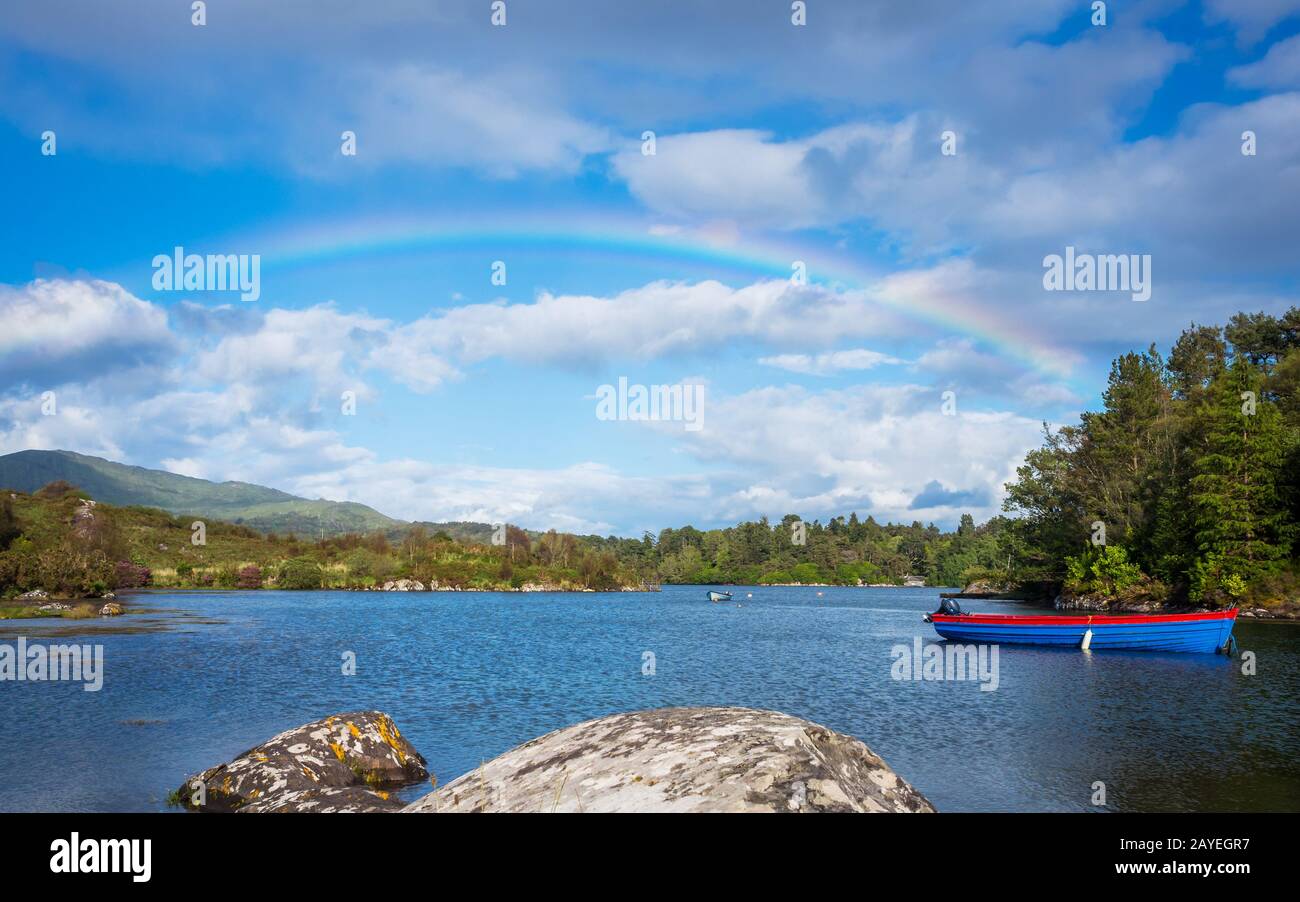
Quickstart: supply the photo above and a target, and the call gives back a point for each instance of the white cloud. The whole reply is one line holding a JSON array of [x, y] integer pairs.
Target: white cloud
[[766, 451], [546, 92], [329, 348], [653, 321], [742, 174], [76, 427], [332, 351], [56, 331], [830, 362], [185, 466], [869, 448], [1280, 68], [1251, 18], [1191, 199], [586, 497], [495, 122]]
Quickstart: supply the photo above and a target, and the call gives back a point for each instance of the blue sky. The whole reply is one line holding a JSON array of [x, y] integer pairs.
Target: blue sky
[[775, 143]]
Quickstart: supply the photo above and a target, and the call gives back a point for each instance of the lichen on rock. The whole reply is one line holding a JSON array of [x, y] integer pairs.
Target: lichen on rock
[[683, 760], [340, 764]]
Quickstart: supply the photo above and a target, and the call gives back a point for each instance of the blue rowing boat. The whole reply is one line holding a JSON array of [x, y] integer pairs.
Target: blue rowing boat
[[1204, 632]]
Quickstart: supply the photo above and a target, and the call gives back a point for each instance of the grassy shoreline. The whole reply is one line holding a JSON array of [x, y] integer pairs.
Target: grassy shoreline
[[59, 541]]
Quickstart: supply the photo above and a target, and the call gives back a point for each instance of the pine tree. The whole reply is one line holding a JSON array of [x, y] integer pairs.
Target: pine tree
[[1125, 457], [1241, 529]]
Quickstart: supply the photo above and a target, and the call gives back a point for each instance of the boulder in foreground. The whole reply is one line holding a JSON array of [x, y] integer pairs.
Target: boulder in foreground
[[683, 760], [340, 764]]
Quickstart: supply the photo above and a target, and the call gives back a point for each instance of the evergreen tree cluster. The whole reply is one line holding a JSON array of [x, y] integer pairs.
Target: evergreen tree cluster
[[1189, 473]]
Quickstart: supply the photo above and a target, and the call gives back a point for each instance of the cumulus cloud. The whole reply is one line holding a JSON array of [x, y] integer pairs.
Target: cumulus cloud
[[58, 331], [773, 451], [234, 408], [653, 321], [330, 349], [1191, 199], [585, 497], [743, 174], [868, 448], [74, 425]]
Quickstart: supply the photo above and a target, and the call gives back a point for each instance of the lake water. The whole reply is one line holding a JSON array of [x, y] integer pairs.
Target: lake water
[[201, 677]]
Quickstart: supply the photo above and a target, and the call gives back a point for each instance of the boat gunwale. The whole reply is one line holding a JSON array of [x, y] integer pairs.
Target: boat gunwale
[[1082, 619]]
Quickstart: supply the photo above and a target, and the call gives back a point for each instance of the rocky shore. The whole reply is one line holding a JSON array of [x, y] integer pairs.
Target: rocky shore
[[996, 589], [1135, 601], [661, 760], [1146, 605], [414, 585], [39, 603]]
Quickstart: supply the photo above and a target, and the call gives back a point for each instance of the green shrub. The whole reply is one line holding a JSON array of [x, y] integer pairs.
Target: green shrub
[[806, 573], [1216, 580], [299, 573], [1101, 569]]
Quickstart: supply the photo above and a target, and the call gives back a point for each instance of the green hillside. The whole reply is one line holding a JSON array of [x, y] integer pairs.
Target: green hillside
[[257, 507], [57, 542]]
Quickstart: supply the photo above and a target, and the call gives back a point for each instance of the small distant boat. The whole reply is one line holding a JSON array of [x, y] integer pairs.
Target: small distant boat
[[1206, 632], [719, 596]]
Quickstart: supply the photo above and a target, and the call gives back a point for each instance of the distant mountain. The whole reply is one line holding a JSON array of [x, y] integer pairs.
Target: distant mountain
[[255, 506]]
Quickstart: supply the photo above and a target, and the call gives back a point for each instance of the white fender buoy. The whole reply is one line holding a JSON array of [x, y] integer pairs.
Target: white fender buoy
[[1087, 640]]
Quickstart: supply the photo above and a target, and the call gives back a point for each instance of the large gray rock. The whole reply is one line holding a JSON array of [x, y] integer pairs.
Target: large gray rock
[[342, 763], [683, 759]]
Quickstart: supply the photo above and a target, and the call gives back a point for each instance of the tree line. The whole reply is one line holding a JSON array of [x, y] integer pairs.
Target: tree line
[[1185, 486]]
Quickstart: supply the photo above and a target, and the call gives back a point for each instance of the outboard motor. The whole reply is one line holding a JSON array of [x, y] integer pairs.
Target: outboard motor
[[946, 606]]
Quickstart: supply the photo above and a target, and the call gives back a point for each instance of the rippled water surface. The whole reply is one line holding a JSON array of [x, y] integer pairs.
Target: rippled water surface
[[201, 677]]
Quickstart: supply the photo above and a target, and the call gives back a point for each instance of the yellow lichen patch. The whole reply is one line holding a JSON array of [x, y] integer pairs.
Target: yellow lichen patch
[[356, 734], [338, 752], [383, 795], [311, 775], [388, 732]]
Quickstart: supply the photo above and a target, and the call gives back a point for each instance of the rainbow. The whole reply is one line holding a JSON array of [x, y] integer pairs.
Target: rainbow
[[950, 309]]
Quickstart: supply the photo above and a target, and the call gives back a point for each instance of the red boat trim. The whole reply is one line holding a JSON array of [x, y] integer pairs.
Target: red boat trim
[[1080, 620]]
